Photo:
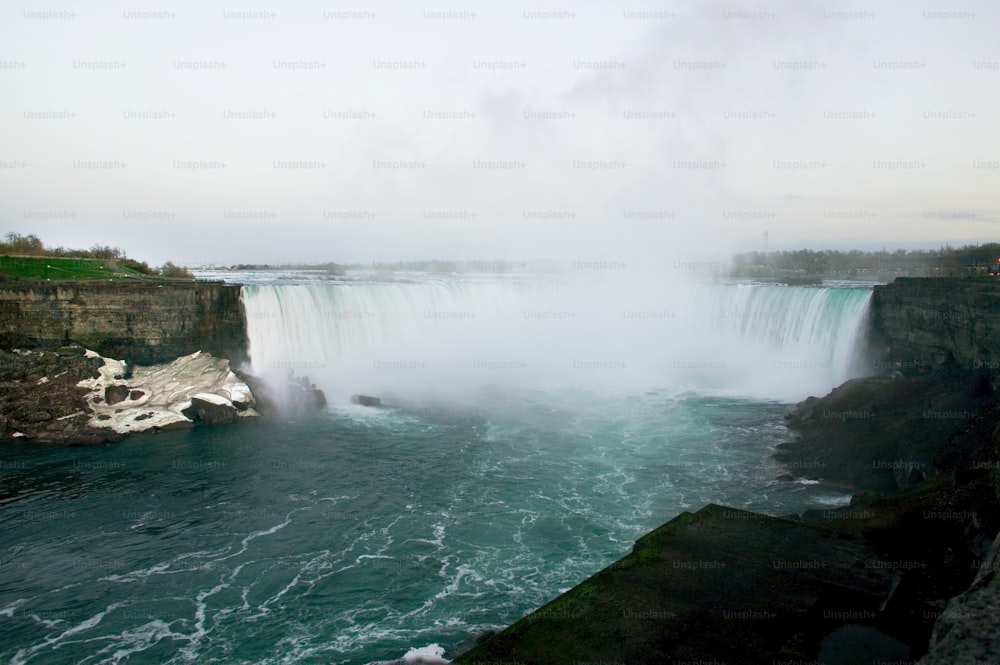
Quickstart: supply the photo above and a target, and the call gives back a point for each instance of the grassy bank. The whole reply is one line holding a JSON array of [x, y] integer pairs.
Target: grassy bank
[[65, 268]]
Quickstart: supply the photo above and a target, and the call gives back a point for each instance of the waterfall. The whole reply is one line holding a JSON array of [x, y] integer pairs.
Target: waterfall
[[446, 336]]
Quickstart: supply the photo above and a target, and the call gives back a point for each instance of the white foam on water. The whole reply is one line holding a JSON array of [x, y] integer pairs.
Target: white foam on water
[[453, 585], [140, 639], [137, 575], [46, 622], [9, 610], [24, 655], [835, 500], [431, 654]]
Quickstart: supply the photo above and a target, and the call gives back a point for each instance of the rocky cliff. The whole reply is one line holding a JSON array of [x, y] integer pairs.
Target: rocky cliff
[[143, 322], [931, 325]]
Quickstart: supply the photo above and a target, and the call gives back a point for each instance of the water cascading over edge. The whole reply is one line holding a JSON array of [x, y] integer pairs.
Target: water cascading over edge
[[449, 336]]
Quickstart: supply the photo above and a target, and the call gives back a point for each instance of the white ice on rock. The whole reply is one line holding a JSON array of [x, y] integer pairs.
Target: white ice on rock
[[167, 390]]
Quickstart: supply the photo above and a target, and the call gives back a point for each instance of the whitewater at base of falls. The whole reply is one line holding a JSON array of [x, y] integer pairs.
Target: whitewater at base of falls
[[444, 337]]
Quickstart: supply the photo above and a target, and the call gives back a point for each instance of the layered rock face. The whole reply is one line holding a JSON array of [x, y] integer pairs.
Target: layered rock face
[[156, 330], [144, 323], [929, 325]]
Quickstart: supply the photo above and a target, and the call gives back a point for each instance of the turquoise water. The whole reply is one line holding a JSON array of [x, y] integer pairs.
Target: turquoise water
[[356, 535], [537, 429]]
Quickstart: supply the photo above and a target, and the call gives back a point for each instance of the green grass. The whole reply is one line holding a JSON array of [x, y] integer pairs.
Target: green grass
[[61, 268]]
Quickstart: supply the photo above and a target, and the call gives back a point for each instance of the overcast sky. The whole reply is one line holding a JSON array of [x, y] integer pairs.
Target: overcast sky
[[255, 132]]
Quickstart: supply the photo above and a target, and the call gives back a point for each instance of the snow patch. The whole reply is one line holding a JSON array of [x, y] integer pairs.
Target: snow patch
[[213, 399], [166, 391]]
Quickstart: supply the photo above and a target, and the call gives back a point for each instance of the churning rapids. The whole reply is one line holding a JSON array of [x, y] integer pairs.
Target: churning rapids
[[536, 427]]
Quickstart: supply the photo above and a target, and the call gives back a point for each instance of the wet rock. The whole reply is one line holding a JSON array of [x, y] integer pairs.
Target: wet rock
[[704, 586], [135, 394], [93, 437], [39, 417], [211, 410], [115, 394], [71, 350], [309, 394], [884, 434], [290, 396], [366, 400]]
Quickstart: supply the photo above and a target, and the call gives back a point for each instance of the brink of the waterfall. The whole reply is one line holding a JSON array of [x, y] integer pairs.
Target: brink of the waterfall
[[448, 337]]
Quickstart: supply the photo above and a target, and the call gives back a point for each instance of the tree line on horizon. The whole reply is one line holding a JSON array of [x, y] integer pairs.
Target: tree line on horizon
[[31, 245], [968, 260]]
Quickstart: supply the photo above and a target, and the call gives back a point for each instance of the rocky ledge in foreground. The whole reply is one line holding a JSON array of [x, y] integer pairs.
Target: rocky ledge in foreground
[[76, 396], [719, 585], [923, 454], [906, 571]]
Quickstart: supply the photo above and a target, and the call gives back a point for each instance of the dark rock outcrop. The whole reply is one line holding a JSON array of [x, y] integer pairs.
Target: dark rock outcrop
[[288, 396], [116, 394], [968, 629], [884, 434], [210, 412], [922, 326], [145, 322], [74, 398], [40, 399], [366, 400], [719, 585]]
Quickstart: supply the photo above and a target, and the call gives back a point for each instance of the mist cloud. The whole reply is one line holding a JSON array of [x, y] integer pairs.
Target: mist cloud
[[212, 133]]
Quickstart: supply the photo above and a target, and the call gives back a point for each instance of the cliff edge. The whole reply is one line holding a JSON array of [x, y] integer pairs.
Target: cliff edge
[[927, 325], [141, 322]]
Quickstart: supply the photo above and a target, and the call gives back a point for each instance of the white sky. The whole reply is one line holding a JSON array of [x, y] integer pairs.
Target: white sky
[[918, 81]]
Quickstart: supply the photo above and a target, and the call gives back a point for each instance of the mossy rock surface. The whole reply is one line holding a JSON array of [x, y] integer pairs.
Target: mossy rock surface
[[720, 583]]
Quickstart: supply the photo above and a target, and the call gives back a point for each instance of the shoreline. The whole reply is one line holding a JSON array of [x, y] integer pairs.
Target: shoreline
[[917, 443], [925, 540], [74, 396]]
